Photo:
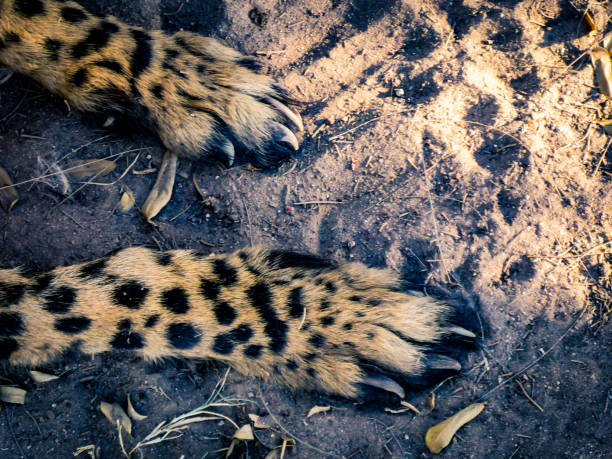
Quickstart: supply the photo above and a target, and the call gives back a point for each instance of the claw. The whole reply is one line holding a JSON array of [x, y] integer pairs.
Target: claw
[[294, 119], [384, 383], [461, 331], [440, 362], [283, 135], [227, 147]]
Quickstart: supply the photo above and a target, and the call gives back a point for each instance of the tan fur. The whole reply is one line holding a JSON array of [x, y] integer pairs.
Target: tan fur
[[202, 86], [335, 363]]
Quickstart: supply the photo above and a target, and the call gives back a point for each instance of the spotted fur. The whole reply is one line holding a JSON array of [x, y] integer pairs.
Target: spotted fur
[[201, 97], [287, 317], [290, 318]]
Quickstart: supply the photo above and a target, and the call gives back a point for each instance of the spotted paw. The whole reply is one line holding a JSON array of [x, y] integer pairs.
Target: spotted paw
[[206, 99]]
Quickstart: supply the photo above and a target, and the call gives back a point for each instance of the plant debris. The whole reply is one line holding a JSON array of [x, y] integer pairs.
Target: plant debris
[[439, 436], [10, 394], [8, 193], [88, 168], [161, 192], [115, 414]]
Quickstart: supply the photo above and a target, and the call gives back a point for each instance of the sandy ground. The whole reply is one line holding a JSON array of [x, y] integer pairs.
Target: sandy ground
[[453, 140]]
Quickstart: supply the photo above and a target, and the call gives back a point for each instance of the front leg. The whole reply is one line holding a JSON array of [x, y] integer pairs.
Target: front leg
[[201, 97]]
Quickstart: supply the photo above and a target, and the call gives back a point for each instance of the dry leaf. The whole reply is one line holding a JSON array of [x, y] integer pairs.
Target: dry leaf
[[431, 401], [607, 41], [439, 436], [257, 422], [114, 413], [40, 377], [244, 433], [89, 449], [135, 415], [161, 192], [9, 195], [127, 200], [11, 394], [317, 409], [606, 125], [603, 69], [85, 169], [410, 406]]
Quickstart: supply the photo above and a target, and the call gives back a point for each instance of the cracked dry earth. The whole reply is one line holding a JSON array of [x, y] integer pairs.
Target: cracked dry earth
[[450, 140]]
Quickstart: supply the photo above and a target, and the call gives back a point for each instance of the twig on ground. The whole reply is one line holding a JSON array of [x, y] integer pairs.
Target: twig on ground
[[533, 402]]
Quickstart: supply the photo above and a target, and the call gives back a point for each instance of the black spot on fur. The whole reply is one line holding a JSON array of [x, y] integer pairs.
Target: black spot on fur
[[158, 91], [330, 287], [11, 324], [11, 294], [79, 78], [72, 325], [227, 275], [253, 351], [132, 294], [169, 66], [7, 347], [292, 365], [183, 335], [223, 345], [317, 340], [73, 15], [29, 8], [152, 321], [296, 304], [241, 334], [142, 55], [125, 338], [324, 305], [41, 282], [243, 256], [60, 300], [311, 356], [318, 281], [348, 326], [355, 298], [224, 313], [311, 372], [94, 269], [163, 258], [190, 49], [327, 321], [110, 64], [190, 97], [175, 300], [12, 37], [97, 38], [209, 289], [276, 329], [283, 260], [250, 63], [358, 314], [172, 53]]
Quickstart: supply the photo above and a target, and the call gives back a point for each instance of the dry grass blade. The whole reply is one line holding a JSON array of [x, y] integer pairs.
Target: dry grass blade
[[115, 414], [40, 377], [603, 69], [85, 169], [11, 394], [606, 125], [170, 430], [161, 192], [439, 436], [8, 193]]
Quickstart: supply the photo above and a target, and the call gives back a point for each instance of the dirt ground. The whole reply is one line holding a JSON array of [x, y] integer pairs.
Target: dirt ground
[[452, 140]]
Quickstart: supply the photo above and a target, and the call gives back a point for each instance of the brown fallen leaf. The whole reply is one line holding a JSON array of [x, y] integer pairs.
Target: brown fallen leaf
[[317, 409], [135, 415], [603, 69], [127, 200], [88, 168], [161, 192], [244, 433], [40, 377], [439, 436], [115, 414], [8, 195], [257, 421], [10, 394]]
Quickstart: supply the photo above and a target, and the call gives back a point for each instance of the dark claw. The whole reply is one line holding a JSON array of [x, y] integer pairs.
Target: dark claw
[[383, 383]]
